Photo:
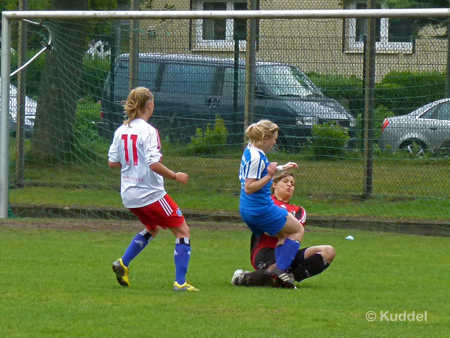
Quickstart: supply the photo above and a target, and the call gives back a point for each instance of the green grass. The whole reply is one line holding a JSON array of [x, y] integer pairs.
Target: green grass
[[403, 188], [59, 283]]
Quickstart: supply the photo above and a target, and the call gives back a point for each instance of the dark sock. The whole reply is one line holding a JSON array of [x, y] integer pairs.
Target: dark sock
[[257, 278], [181, 257], [310, 267], [139, 242], [287, 253]]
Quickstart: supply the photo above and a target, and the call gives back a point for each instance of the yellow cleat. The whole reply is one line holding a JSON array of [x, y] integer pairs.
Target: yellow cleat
[[121, 272], [185, 287]]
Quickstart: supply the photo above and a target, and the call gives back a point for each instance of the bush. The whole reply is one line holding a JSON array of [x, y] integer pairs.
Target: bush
[[380, 114], [33, 72], [86, 140], [404, 92], [328, 140], [95, 72], [93, 77], [211, 141], [346, 89]]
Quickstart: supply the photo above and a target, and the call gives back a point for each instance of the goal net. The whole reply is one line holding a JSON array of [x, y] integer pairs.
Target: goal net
[[307, 74]]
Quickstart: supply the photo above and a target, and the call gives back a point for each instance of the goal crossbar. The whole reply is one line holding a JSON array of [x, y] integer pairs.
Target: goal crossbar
[[241, 14]]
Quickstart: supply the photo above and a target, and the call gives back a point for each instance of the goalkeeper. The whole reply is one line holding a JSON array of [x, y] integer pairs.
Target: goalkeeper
[[308, 262]]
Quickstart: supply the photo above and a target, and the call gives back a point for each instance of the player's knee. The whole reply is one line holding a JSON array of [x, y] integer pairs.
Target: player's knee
[[328, 253], [301, 229]]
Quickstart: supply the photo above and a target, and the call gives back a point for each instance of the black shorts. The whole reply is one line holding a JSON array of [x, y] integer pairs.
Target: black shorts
[[266, 257]]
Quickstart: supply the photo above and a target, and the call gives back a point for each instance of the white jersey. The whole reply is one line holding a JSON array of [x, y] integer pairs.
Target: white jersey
[[136, 146]]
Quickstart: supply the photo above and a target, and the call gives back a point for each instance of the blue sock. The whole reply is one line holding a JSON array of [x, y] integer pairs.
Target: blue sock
[[181, 257], [277, 252], [139, 242], [287, 253]]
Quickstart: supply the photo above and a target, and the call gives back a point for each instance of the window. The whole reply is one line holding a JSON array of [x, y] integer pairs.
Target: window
[[183, 78], [228, 83], [439, 112], [219, 33], [147, 77], [394, 34]]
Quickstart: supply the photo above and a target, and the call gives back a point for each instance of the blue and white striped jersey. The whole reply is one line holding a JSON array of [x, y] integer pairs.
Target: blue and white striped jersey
[[254, 165]]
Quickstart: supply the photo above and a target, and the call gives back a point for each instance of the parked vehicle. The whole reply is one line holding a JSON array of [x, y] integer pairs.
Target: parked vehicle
[[427, 127], [30, 111], [191, 90]]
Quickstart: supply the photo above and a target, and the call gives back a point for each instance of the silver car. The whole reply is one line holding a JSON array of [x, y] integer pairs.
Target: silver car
[[30, 111], [427, 127]]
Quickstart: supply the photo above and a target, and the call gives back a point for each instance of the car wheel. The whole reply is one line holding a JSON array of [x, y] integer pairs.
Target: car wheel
[[413, 147]]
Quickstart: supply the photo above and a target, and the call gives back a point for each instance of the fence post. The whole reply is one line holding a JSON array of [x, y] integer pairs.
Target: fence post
[[134, 49], [21, 90], [368, 103], [250, 68]]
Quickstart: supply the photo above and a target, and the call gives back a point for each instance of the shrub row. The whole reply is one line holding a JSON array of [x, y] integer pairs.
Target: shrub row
[[399, 92]]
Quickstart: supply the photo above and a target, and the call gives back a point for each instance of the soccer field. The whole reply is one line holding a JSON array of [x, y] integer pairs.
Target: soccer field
[[56, 281]]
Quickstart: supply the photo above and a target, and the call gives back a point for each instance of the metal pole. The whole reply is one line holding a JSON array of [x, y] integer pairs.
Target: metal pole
[[251, 68], [236, 77], [21, 86], [244, 14], [368, 107], [363, 103], [447, 74], [4, 116], [134, 50]]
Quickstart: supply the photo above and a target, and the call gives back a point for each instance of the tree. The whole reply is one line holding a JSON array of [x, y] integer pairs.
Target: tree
[[57, 102]]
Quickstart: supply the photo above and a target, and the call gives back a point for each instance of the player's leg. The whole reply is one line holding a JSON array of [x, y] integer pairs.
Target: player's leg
[[175, 221], [261, 260], [315, 260], [292, 234], [182, 253], [139, 242], [256, 278]]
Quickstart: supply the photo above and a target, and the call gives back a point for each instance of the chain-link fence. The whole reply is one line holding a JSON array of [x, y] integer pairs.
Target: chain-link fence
[[309, 78]]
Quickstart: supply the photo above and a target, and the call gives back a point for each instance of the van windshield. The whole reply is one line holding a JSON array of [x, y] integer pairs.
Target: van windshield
[[287, 81]]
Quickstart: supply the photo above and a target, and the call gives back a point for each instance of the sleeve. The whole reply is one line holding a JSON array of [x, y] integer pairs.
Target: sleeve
[[113, 153], [152, 146], [256, 166]]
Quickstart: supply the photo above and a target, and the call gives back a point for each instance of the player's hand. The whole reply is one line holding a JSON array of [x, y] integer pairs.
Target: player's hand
[[181, 177], [272, 168], [290, 165]]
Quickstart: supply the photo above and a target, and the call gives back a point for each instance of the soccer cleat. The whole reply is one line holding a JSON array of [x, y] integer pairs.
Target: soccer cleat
[[184, 287], [284, 278], [121, 272], [235, 279], [238, 276]]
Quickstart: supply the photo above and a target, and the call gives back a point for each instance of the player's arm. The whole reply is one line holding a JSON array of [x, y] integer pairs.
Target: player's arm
[[253, 184], [165, 172], [113, 154], [287, 166], [114, 164]]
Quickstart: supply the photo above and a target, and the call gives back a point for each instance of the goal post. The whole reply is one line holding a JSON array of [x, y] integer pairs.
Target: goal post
[[9, 16]]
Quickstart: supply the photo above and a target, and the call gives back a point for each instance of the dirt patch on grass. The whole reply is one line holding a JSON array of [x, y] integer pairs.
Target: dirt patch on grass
[[111, 225]]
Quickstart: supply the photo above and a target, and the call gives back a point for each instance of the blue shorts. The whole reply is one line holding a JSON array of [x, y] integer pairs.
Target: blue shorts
[[270, 220]]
